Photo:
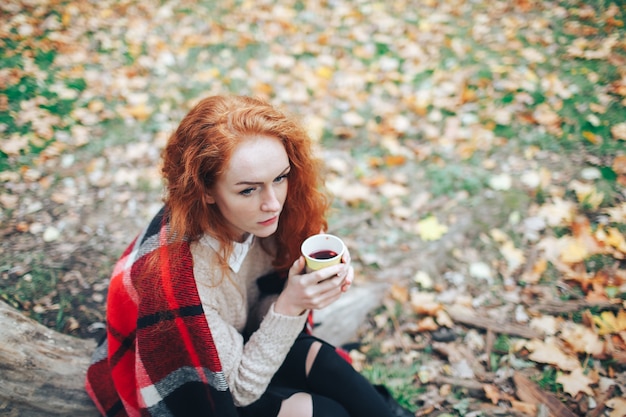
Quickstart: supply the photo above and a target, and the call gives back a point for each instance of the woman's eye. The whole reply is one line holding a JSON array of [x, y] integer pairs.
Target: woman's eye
[[247, 191], [281, 178]]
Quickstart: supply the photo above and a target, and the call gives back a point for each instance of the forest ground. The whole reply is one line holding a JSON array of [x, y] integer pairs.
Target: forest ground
[[475, 153]]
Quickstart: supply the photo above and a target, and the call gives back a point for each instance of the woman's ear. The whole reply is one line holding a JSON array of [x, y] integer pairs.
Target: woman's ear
[[208, 199]]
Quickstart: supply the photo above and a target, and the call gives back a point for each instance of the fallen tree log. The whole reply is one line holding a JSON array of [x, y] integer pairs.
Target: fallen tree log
[[42, 372]]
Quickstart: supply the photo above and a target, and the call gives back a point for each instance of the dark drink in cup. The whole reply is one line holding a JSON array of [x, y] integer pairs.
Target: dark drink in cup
[[322, 250]]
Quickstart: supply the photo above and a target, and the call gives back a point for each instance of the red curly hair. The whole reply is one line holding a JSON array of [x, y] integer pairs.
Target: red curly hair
[[197, 154]]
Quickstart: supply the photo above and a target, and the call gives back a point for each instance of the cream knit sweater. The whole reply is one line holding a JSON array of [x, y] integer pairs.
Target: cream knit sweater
[[232, 306]]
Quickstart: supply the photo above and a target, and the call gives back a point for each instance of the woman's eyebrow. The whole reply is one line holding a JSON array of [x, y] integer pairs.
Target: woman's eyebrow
[[283, 172]]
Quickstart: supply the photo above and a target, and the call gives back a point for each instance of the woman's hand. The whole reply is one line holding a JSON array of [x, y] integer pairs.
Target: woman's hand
[[315, 290], [345, 259]]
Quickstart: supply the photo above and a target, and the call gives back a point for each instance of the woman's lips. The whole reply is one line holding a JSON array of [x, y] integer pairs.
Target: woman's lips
[[269, 221]]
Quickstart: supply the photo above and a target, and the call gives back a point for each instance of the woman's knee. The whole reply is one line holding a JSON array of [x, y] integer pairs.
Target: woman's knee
[[327, 407], [327, 362], [311, 356], [298, 405]]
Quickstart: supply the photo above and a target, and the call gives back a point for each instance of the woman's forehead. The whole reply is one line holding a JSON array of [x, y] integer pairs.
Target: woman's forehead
[[257, 158]]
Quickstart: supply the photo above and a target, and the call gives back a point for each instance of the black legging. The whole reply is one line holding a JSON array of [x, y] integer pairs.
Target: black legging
[[336, 388]]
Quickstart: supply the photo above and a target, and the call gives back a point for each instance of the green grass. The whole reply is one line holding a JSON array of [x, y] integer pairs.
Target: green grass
[[585, 135], [398, 378], [452, 178], [547, 379]]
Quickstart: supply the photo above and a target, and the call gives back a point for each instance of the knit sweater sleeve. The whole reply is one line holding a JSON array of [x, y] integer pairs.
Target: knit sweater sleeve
[[249, 367]]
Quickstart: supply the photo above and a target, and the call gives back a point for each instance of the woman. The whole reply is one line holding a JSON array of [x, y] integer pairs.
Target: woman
[[208, 308]]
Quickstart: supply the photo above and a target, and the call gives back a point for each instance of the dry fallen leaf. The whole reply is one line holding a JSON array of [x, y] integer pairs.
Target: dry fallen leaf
[[614, 238], [574, 250], [617, 214], [492, 392], [430, 229], [618, 406], [524, 407], [425, 303], [619, 131], [549, 352], [427, 324], [558, 213], [619, 165], [399, 293], [443, 319], [587, 194], [548, 325], [582, 339], [608, 322], [575, 382]]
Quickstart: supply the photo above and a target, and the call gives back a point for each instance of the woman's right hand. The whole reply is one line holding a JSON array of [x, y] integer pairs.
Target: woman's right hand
[[311, 291]]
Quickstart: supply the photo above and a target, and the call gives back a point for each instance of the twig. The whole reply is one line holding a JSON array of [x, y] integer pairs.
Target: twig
[[493, 325], [599, 410], [470, 384], [559, 307], [488, 410]]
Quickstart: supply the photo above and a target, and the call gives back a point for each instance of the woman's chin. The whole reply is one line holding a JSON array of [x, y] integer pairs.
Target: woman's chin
[[266, 231]]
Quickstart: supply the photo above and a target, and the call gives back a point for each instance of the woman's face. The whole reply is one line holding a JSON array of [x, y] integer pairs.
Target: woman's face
[[252, 191]]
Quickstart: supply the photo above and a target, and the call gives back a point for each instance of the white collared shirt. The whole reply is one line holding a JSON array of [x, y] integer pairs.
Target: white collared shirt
[[240, 250]]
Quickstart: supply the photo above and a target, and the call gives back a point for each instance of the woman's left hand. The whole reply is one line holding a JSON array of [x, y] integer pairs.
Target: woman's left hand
[[347, 282]]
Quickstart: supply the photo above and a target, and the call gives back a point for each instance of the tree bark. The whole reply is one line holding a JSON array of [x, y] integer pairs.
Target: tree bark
[[42, 372]]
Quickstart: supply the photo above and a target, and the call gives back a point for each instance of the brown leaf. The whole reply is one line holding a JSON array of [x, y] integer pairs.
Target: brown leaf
[[529, 392], [524, 407], [619, 165], [618, 406], [549, 352], [575, 382], [399, 293], [492, 392], [425, 303]]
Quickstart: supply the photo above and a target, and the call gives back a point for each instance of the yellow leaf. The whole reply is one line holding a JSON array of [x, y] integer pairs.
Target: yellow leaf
[[575, 382], [140, 111], [609, 323], [616, 239], [324, 72], [514, 256], [588, 194], [394, 160], [430, 229], [574, 252], [264, 89], [591, 137], [618, 405]]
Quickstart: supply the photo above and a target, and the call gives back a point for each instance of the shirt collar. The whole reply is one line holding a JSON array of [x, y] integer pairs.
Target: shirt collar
[[240, 250]]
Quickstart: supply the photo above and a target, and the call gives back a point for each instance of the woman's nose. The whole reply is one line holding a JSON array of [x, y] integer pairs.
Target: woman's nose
[[270, 202]]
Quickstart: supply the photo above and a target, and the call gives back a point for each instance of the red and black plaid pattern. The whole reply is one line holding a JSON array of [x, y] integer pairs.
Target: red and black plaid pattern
[[158, 358]]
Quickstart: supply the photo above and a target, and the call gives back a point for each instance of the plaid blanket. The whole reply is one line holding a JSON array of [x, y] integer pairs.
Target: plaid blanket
[[158, 358]]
